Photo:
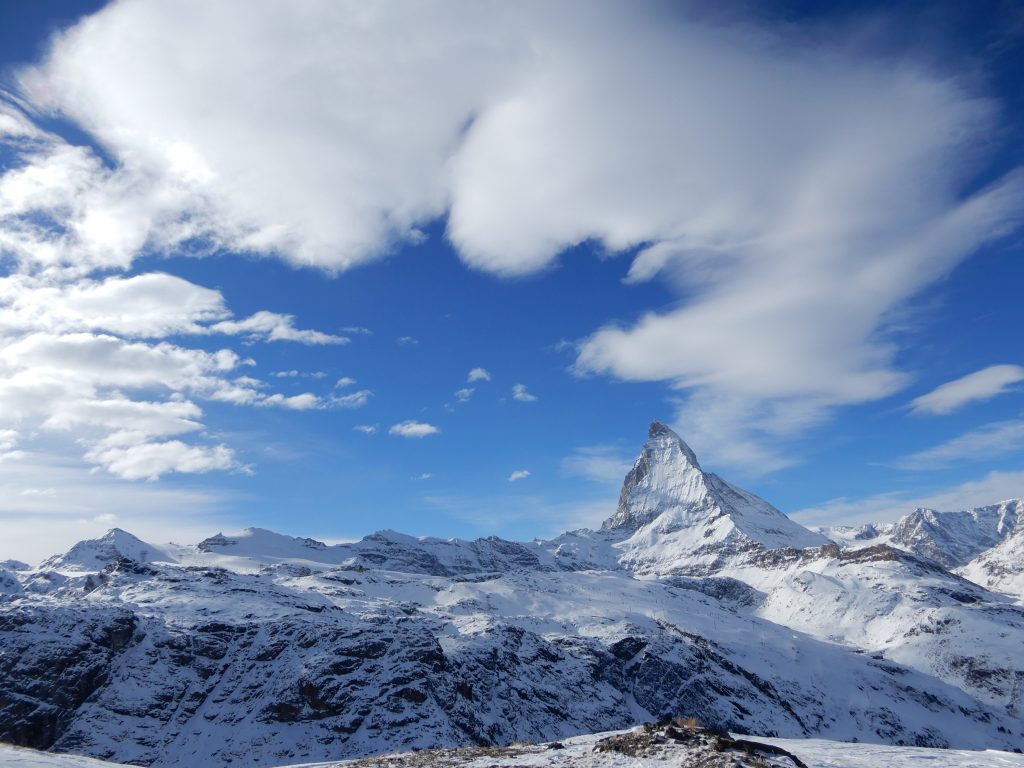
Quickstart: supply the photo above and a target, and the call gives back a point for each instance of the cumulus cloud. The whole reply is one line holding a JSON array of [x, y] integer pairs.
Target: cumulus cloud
[[344, 381], [123, 397], [413, 429], [148, 461], [980, 385], [463, 395], [795, 195], [519, 474], [520, 393], [478, 374]]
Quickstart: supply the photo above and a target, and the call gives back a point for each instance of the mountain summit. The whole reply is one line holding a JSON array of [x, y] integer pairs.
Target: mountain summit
[[679, 517]]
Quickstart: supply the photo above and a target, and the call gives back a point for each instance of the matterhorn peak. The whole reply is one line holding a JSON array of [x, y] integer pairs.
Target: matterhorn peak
[[667, 497], [665, 472]]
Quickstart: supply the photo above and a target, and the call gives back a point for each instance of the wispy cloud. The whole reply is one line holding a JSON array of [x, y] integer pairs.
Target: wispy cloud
[[345, 381], [366, 429], [520, 393], [413, 429], [980, 385], [407, 341], [603, 464], [351, 400], [988, 441], [271, 326], [463, 395], [519, 474]]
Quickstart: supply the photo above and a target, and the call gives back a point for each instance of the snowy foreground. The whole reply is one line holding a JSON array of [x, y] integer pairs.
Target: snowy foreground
[[637, 748]]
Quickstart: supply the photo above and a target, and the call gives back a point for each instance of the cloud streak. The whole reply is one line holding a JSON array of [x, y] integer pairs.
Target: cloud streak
[[985, 442], [974, 387]]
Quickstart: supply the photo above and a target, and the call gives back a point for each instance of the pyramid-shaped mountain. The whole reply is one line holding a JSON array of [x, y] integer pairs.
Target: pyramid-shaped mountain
[[674, 516]]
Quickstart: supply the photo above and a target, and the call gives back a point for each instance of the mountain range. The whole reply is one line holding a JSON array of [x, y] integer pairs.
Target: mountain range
[[694, 598]]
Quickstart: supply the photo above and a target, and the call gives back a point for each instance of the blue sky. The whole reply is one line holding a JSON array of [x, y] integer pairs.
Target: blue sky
[[234, 235]]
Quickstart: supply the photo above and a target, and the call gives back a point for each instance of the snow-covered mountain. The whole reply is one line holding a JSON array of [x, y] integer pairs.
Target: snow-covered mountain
[[695, 598], [674, 517], [1001, 568], [93, 554], [951, 539]]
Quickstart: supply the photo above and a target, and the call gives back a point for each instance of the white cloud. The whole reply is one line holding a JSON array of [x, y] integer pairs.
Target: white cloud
[[413, 429], [520, 393], [985, 442], [519, 474], [271, 326], [8, 439], [304, 402], [150, 305], [366, 429], [344, 381], [980, 385], [351, 400], [407, 341], [886, 507], [357, 330], [148, 461], [478, 374], [286, 374], [762, 354], [424, 476], [463, 395]]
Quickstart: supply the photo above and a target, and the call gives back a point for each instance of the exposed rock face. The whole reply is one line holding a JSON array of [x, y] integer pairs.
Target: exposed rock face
[[955, 538]]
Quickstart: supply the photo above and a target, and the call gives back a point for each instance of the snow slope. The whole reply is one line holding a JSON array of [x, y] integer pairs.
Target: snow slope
[[1001, 568]]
